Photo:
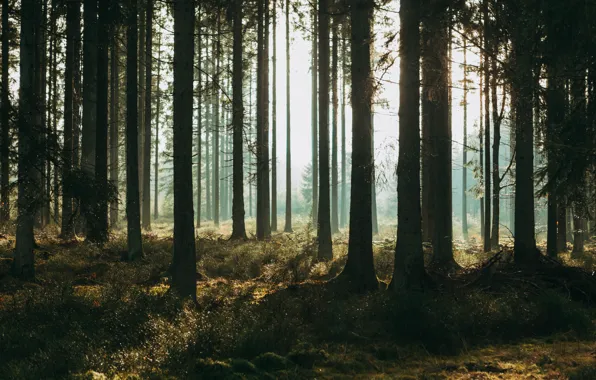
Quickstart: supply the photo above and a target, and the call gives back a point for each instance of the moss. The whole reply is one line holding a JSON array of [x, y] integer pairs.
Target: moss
[[213, 369], [583, 373]]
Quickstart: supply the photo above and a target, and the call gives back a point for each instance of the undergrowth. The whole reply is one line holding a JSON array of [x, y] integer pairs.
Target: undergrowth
[[265, 309]]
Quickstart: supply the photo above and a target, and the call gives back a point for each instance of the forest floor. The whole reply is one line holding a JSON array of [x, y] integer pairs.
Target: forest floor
[[265, 310]]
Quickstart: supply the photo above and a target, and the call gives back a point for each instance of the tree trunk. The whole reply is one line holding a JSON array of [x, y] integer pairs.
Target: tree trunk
[[274, 125], [184, 262], [133, 207], [334, 115], [208, 126], [98, 216], [114, 125], [198, 92], [263, 215], [4, 134], [43, 111], [373, 183], [146, 214], [427, 149], [54, 84], [324, 223], [238, 227], [141, 96], [464, 185], [28, 157], [496, 197], [525, 251], [288, 226], [481, 156], [408, 272], [436, 57], [216, 124], [359, 268], [157, 116], [73, 14], [555, 108], [89, 96], [314, 115], [487, 173]]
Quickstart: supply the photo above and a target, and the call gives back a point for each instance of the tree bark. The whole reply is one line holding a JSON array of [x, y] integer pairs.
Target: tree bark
[[274, 124], [436, 43], [23, 265], [157, 116], [359, 269], [216, 125], [464, 187], [314, 115], [487, 168], [238, 227], [114, 126], [334, 115], [98, 216], [89, 96], [525, 251], [184, 262], [5, 131], [146, 213], [324, 222], [133, 207], [288, 226], [408, 272], [73, 15], [198, 93]]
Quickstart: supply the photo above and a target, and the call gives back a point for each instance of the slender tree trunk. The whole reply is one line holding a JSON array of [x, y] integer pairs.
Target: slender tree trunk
[[324, 224], [555, 108], [208, 126], [334, 115], [238, 227], [98, 232], [481, 156], [408, 271], [133, 207], [266, 185], [578, 116], [157, 116], [114, 124], [199, 117], [141, 96], [249, 142], [274, 125], [263, 215], [359, 268], [496, 212], [89, 96], [464, 185], [562, 228], [184, 262], [4, 135], [146, 223], [43, 110], [73, 15], [54, 84], [344, 186], [314, 114], [28, 156], [288, 226], [217, 126], [487, 172]]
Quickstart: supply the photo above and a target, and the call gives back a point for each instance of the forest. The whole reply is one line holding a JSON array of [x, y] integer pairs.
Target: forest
[[298, 189]]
